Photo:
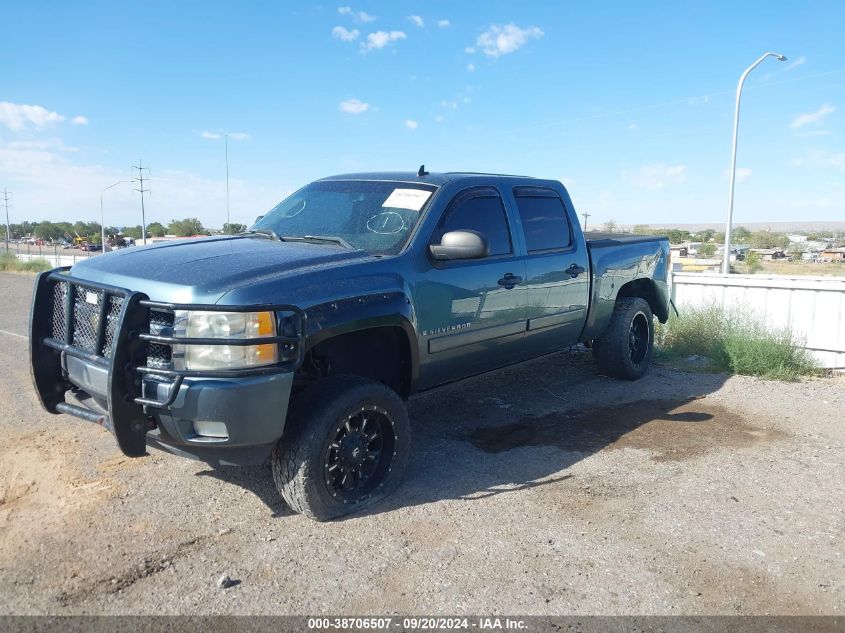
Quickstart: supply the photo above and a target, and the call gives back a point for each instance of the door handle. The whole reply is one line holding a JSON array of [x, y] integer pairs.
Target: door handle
[[575, 270], [510, 280]]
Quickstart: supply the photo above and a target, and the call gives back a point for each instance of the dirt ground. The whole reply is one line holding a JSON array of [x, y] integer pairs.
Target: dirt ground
[[538, 489]]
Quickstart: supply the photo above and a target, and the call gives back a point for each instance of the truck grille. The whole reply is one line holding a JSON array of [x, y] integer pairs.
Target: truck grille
[[158, 354], [86, 317], [86, 323]]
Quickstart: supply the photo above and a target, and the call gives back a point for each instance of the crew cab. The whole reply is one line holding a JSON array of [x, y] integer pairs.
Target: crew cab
[[298, 341]]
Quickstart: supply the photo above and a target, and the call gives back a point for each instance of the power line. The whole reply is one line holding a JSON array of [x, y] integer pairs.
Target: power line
[[8, 229], [140, 180]]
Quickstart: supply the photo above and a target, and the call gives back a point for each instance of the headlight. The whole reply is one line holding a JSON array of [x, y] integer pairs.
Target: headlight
[[242, 325]]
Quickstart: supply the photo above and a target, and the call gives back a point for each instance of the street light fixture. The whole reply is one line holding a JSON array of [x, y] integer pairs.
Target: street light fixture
[[102, 215], [726, 260]]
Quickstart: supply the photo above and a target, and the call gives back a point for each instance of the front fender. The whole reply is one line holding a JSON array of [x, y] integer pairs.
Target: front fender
[[379, 309]]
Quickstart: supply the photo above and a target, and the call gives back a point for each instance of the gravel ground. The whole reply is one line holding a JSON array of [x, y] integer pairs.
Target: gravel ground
[[686, 492]]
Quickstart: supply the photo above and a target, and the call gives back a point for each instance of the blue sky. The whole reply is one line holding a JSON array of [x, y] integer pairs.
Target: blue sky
[[630, 104]]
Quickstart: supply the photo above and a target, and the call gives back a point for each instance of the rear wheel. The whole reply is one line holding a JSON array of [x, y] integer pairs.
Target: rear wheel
[[624, 348], [346, 445]]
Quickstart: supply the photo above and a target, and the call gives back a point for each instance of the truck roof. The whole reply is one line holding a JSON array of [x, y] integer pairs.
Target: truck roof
[[433, 178]]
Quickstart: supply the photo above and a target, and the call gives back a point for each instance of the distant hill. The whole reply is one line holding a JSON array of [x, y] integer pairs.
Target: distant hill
[[796, 226]]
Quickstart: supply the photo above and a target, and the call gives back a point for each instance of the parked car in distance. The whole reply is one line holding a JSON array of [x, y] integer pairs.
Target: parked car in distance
[[298, 341]]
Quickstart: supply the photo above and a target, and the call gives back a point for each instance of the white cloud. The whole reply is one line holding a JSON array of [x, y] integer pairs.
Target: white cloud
[[655, 176], [471, 68], [353, 106], [443, 24], [47, 144], [449, 105], [411, 124], [798, 62], [344, 34], [469, 50], [821, 158], [359, 16], [380, 39], [742, 174], [17, 116], [439, 118], [79, 120], [502, 40], [812, 117], [235, 136], [417, 20], [632, 126]]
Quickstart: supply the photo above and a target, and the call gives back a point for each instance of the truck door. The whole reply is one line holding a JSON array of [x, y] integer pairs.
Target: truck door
[[557, 271], [471, 312]]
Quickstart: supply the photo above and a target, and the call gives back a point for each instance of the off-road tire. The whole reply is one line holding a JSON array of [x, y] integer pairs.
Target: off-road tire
[[613, 352], [298, 460]]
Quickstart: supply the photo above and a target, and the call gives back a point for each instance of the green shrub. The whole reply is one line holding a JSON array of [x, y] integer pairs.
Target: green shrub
[[736, 341], [10, 263]]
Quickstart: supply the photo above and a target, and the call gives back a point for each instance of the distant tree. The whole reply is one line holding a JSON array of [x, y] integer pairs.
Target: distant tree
[[740, 234], [706, 235], [234, 228], [186, 227], [132, 231], [719, 238], [155, 229], [765, 239], [676, 236], [48, 231], [707, 249], [796, 252], [752, 262], [643, 229], [610, 226]]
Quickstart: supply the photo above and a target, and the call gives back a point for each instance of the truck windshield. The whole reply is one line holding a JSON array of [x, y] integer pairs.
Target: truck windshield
[[373, 216]]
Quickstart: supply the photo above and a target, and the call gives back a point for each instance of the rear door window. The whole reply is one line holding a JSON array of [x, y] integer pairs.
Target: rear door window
[[544, 219]]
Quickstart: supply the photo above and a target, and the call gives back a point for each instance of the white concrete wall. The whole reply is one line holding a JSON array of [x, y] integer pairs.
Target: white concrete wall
[[813, 306], [55, 259]]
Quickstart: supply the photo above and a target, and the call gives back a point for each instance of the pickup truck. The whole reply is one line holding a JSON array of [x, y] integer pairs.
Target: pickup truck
[[298, 341]]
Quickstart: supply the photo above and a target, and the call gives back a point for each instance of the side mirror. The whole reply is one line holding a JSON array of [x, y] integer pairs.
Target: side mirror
[[258, 219], [460, 245]]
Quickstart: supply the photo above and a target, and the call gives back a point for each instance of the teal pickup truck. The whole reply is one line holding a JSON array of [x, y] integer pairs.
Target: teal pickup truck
[[297, 341]]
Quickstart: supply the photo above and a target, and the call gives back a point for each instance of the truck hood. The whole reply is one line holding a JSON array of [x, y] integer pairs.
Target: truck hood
[[203, 270]]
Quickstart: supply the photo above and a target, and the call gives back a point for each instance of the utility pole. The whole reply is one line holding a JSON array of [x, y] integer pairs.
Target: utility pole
[[585, 215], [228, 219], [8, 229], [140, 180]]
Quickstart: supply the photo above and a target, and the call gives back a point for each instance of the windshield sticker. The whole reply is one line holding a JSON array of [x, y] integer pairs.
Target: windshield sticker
[[412, 199]]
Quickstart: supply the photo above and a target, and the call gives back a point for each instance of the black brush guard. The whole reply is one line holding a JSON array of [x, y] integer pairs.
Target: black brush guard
[[120, 347]]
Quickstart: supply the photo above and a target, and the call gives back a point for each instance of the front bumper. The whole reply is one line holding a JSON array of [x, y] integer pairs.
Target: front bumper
[[232, 416]]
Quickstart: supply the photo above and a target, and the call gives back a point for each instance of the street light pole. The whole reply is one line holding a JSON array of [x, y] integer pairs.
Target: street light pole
[[102, 215], [228, 219], [726, 260]]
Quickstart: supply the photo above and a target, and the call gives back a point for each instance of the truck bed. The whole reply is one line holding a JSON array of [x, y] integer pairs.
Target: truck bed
[[599, 239]]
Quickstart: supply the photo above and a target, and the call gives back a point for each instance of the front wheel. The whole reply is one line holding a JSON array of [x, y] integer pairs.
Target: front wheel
[[624, 348], [346, 445]]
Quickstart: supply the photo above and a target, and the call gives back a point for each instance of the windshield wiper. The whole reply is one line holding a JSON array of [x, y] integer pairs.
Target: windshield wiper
[[263, 233], [330, 239]]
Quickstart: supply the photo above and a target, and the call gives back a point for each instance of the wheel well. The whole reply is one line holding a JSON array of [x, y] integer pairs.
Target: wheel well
[[646, 289], [380, 353]]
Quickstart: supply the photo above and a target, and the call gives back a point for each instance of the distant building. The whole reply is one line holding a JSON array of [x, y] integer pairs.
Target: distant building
[[768, 254], [832, 255]]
